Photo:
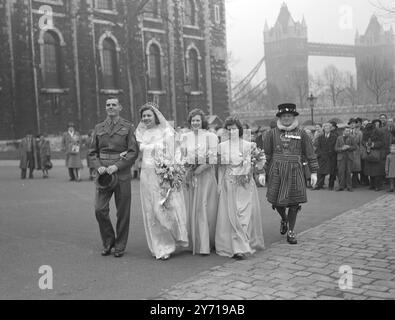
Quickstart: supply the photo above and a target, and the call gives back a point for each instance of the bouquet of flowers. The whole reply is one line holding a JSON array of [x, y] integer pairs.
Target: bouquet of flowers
[[255, 161], [258, 158], [171, 176]]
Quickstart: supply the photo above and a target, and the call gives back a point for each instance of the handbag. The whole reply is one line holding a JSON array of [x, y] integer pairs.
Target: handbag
[[372, 156], [75, 149], [48, 165]]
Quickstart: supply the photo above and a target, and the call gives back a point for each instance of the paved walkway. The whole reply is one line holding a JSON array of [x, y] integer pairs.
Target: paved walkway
[[363, 239], [15, 163]]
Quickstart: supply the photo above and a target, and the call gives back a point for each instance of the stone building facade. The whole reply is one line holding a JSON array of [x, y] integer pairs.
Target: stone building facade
[[61, 59]]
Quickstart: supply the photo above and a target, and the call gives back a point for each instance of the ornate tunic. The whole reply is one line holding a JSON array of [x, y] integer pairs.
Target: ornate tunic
[[284, 153]]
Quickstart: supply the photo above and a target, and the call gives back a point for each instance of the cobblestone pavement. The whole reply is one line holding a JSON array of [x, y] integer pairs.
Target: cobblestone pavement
[[363, 239]]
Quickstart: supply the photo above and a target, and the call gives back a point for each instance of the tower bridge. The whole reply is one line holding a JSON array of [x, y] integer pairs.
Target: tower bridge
[[287, 50]]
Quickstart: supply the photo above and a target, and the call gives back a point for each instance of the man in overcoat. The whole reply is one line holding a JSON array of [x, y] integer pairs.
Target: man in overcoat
[[326, 156]]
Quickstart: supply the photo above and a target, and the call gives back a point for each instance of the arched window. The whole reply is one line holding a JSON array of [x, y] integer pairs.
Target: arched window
[[193, 69], [110, 64], [105, 4], [153, 9], [189, 12], [51, 60], [155, 73]]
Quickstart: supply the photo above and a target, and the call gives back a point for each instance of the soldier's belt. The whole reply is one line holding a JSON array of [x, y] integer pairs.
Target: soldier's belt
[[110, 156]]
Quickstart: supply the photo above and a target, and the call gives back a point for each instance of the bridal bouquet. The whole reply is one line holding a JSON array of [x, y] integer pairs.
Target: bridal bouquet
[[253, 161], [258, 158], [171, 176]]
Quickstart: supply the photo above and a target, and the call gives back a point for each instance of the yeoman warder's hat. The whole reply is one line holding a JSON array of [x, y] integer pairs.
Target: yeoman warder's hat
[[106, 181], [287, 108]]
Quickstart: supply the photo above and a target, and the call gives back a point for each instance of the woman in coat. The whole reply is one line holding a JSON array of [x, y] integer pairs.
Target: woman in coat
[[357, 134], [72, 146], [44, 155], [374, 147]]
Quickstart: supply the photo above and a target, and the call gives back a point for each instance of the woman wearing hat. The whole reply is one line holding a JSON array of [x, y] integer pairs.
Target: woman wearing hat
[[45, 155], [71, 145], [285, 147]]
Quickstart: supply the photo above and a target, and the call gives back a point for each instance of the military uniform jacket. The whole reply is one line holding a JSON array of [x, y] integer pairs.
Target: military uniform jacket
[[108, 144]]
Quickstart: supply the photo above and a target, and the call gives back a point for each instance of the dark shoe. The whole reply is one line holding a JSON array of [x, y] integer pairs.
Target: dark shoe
[[119, 254], [391, 190], [316, 188], [291, 238], [350, 190], [339, 189], [284, 227], [106, 251], [371, 188], [331, 188], [239, 256]]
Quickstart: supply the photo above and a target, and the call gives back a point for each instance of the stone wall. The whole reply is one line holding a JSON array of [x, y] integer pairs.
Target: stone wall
[[25, 105], [340, 114]]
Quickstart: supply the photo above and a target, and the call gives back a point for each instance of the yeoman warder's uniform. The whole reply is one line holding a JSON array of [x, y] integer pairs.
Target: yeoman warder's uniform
[[285, 147], [109, 141]]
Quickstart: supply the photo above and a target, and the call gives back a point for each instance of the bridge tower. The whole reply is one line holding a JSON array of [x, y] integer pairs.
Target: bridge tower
[[376, 47], [286, 58]]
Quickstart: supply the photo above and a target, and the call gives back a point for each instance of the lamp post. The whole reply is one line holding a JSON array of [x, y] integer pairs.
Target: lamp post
[[187, 90], [312, 100]]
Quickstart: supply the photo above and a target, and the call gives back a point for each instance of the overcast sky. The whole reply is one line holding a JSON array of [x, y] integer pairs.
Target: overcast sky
[[329, 21]]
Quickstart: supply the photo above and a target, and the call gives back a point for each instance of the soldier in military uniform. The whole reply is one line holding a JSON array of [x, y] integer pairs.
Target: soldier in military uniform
[[285, 148], [113, 151]]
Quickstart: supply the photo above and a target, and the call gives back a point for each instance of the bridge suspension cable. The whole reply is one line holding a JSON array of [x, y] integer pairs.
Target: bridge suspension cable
[[250, 93], [238, 88]]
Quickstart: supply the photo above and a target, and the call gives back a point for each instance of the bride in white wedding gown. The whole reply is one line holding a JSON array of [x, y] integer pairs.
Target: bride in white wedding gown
[[165, 230]]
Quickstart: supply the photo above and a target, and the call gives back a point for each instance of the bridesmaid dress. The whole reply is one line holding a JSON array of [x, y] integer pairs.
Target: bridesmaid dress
[[201, 194], [239, 222]]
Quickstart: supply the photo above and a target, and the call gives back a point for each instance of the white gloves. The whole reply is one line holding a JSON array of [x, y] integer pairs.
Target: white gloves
[[262, 179], [314, 179]]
